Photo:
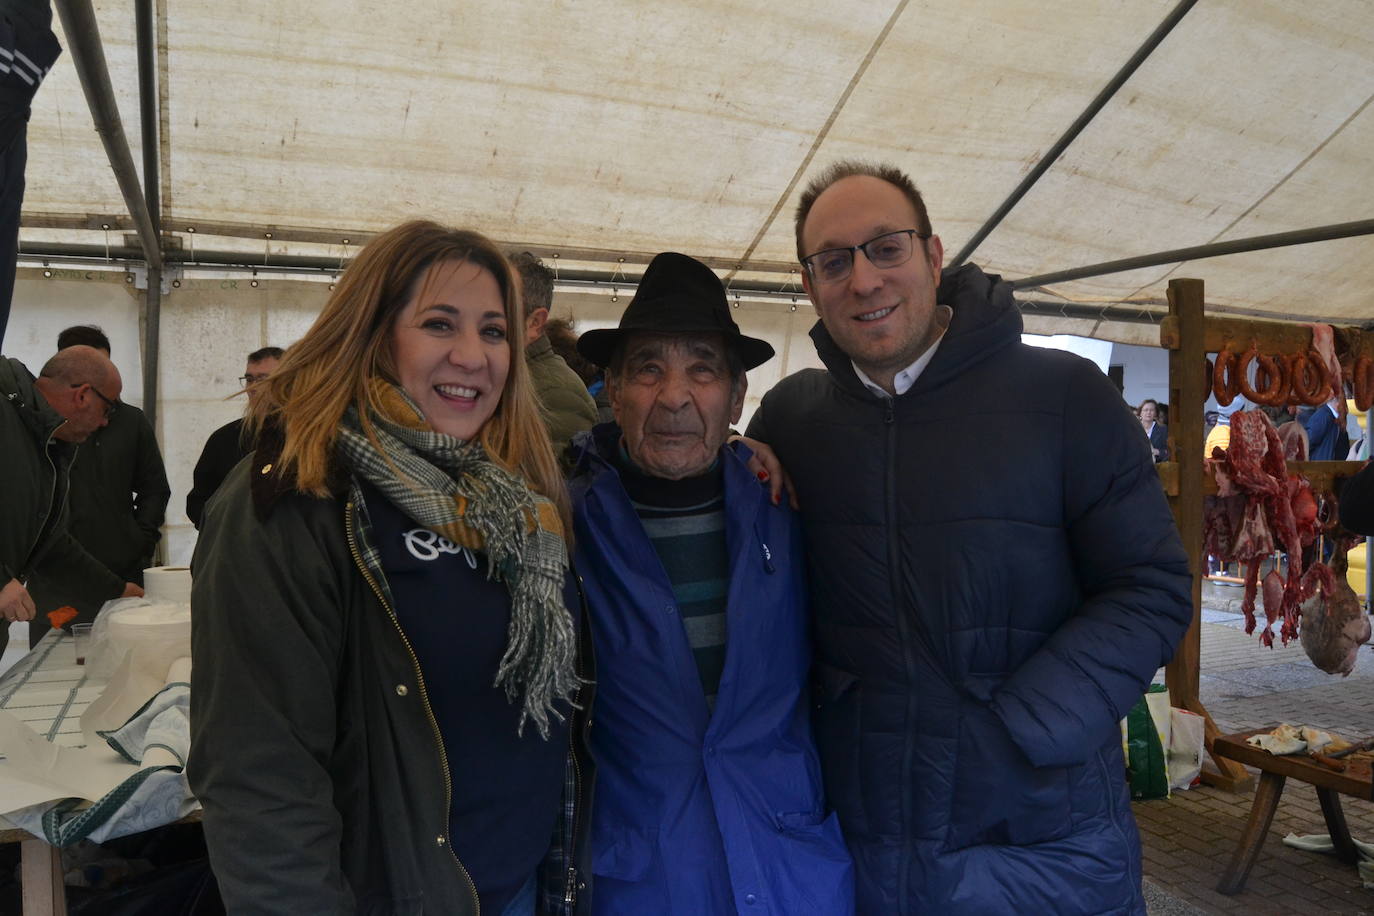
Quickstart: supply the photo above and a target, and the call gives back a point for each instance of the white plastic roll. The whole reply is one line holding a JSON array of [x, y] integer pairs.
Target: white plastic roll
[[167, 584], [157, 635]]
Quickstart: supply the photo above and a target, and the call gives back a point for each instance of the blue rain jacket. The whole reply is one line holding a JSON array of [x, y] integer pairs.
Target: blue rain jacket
[[699, 813]]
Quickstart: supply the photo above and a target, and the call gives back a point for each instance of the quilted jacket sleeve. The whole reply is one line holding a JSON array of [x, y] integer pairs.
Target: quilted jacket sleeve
[[1063, 703]]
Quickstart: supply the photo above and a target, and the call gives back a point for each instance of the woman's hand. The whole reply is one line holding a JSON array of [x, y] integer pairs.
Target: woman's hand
[[766, 467]]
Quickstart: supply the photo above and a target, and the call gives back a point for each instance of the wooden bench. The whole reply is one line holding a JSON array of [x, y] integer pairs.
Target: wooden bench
[[1274, 772]]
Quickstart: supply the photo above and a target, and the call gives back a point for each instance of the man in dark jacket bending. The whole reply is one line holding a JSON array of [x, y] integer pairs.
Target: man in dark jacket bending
[[118, 495], [994, 573], [41, 422]]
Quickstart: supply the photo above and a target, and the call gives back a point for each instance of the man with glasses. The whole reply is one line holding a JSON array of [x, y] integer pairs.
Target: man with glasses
[[42, 421], [226, 446], [995, 576], [117, 496]]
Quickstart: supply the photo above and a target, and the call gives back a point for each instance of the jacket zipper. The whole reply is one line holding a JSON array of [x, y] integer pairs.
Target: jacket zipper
[[424, 698], [570, 889], [49, 520], [901, 608]]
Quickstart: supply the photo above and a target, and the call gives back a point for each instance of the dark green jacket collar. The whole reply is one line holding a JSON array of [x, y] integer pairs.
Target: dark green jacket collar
[[17, 386]]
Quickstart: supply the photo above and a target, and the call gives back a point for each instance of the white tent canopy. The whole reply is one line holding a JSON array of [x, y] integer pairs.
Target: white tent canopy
[[599, 133], [607, 131]]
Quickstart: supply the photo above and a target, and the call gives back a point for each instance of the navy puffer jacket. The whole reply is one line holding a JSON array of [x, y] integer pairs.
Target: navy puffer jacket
[[995, 577]]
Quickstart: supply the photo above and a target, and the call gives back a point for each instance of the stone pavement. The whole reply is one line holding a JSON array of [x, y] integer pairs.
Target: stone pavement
[[1189, 838]]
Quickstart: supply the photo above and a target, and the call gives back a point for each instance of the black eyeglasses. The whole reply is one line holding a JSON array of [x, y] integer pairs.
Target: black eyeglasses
[[247, 380], [109, 405], [891, 249]]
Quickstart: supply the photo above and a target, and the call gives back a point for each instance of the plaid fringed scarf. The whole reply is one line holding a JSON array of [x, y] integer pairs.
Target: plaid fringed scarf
[[452, 488]]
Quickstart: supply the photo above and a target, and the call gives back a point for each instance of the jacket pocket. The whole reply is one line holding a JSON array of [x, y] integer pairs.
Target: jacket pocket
[[837, 725], [999, 798], [624, 853], [811, 871]]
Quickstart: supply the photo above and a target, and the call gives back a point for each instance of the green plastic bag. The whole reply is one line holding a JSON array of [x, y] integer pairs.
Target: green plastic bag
[[1147, 764]]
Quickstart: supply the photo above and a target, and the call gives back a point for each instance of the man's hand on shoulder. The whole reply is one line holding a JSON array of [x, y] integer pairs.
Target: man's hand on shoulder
[[15, 602], [766, 467], [132, 590]]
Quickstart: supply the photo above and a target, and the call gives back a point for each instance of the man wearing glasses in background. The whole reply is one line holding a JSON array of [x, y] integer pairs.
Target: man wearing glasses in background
[[994, 573], [42, 421], [117, 496], [226, 447]]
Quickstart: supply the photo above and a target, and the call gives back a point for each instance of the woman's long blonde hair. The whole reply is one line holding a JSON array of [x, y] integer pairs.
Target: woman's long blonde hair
[[350, 343]]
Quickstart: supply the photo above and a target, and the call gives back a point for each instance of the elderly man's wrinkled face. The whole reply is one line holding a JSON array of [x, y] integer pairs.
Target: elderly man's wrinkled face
[[674, 401]]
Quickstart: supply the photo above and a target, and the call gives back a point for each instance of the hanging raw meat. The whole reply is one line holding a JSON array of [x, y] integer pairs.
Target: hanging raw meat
[[1324, 343], [1261, 508], [1334, 626], [1293, 435]]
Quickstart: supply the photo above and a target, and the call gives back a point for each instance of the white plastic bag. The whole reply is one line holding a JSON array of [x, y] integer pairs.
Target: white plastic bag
[[102, 659], [1186, 738], [156, 633]]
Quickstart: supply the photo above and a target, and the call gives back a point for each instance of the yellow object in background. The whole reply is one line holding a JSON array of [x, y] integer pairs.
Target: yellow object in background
[[1361, 418], [1219, 437], [1356, 575]]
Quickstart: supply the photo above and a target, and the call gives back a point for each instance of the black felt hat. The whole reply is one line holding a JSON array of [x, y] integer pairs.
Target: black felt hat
[[677, 295]]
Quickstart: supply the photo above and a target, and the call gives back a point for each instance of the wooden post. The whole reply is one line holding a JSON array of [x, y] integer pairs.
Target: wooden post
[[40, 869], [1188, 386], [1186, 396]]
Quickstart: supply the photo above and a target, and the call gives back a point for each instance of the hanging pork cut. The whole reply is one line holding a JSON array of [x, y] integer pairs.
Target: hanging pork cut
[[1261, 508], [1334, 626]]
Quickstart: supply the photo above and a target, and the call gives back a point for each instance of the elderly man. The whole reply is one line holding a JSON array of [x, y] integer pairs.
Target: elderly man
[[568, 408], [995, 575], [41, 422], [226, 446], [117, 496], [708, 795]]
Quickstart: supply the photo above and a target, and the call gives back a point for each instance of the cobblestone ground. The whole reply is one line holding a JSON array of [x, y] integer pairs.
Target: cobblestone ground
[[1189, 838]]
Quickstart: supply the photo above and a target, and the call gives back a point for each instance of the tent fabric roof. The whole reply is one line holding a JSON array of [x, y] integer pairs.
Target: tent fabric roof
[[615, 130]]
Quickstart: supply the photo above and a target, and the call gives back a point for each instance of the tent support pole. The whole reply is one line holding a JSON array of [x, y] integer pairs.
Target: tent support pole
[[88, 55], [152, 171], [1097, 104], [1197, 252]]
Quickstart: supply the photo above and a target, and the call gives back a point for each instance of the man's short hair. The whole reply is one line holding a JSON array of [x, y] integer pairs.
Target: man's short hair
[[536, 282], [258, 356], [848, 168], [84, 335]]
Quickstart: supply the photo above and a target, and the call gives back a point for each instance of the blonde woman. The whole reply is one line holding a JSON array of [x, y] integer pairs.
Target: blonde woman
[[388, 686]]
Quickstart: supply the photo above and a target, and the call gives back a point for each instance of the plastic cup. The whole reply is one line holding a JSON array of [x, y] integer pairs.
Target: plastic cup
[[81, 638]]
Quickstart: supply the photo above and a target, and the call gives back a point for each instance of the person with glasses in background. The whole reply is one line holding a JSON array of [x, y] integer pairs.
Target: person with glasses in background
[[118, 496], [226, 446], [42, 421], [995, 576]]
